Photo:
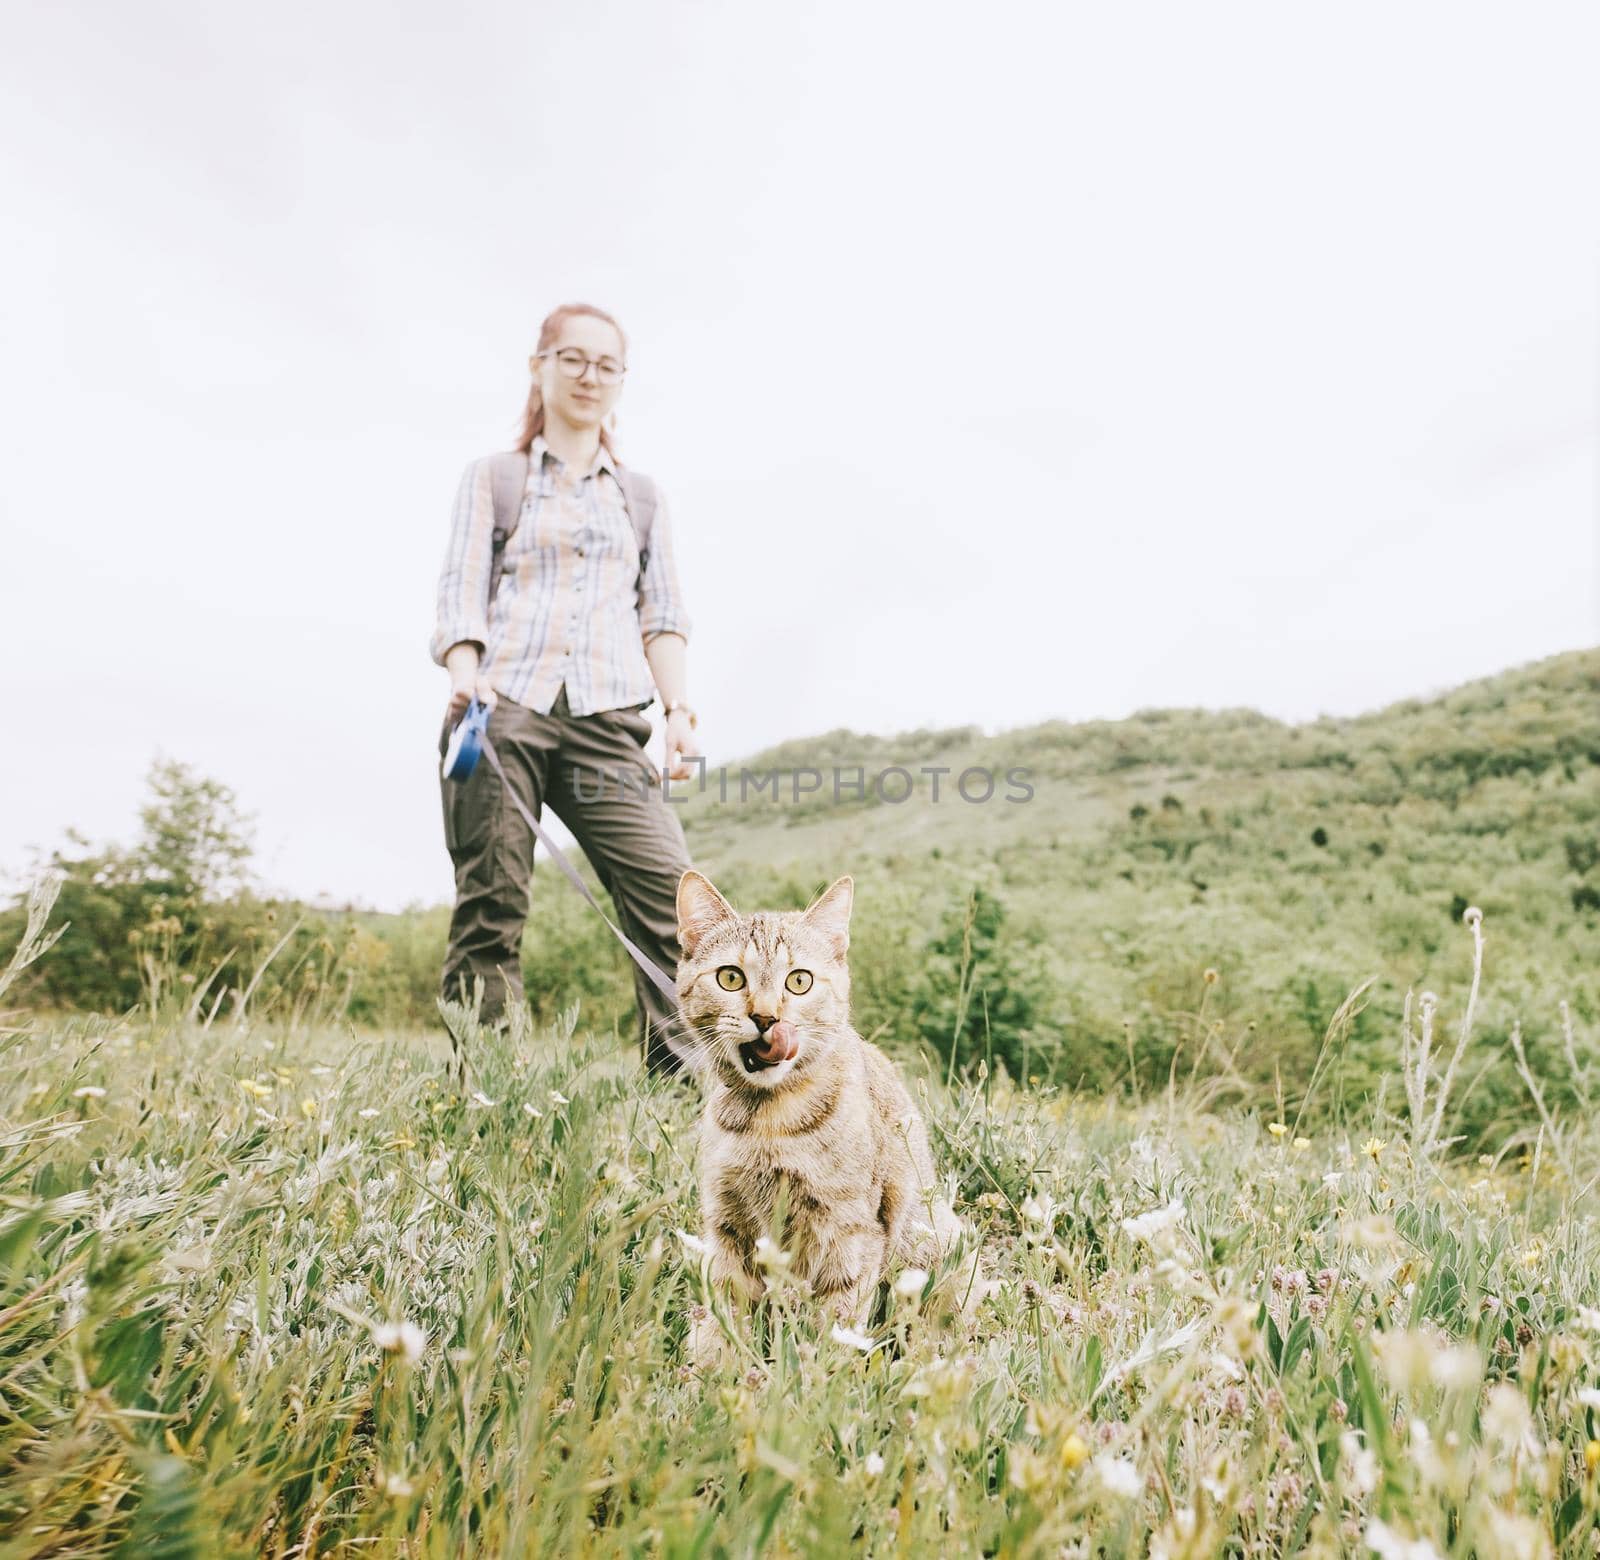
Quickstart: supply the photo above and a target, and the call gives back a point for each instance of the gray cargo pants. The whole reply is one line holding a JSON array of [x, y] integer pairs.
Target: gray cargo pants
[[595, 775]]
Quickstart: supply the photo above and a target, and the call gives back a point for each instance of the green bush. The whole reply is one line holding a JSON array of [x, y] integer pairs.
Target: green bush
[[978, 992]]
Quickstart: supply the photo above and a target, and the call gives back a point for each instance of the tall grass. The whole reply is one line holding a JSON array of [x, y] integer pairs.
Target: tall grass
[[285, 1289]]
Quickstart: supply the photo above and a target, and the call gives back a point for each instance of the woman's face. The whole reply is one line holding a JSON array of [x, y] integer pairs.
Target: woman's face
[[584, 402]]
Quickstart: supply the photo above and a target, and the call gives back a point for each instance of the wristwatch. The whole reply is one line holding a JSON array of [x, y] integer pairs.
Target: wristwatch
[[681, 704]]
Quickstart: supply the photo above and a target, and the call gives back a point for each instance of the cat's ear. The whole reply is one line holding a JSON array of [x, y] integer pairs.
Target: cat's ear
[[700, 907], [829, 913]]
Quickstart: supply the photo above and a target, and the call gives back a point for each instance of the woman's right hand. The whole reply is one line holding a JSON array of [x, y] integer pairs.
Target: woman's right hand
[[466, 681], [462, 694]]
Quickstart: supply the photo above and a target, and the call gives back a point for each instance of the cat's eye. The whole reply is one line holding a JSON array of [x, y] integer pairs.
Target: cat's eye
[[730, 977], [798, 981]]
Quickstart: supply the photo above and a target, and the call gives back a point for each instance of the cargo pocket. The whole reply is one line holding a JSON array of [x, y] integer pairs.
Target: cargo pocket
[[471, 809]]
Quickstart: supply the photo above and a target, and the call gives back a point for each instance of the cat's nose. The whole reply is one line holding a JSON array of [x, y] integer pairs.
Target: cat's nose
[[763, 1021]]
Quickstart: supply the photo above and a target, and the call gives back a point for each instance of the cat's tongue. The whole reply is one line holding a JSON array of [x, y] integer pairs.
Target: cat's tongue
[[780, 1042]]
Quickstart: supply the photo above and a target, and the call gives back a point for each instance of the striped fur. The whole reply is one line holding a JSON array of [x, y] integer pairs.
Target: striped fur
[[825, 1154]]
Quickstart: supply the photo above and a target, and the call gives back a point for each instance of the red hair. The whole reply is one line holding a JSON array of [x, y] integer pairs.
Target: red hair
[[533, 414]]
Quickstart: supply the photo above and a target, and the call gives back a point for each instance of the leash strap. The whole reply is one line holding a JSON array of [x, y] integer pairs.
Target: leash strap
[[668, 988]]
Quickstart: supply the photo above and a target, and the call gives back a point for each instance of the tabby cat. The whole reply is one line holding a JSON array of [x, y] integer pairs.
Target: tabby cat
[[800, 1111]]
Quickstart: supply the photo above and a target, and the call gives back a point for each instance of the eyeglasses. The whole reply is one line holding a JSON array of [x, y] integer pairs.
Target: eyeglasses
[[573, 363]]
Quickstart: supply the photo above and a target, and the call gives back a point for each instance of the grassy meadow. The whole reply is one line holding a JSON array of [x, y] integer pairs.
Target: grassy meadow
[[1259, 1060], [295, 1290]]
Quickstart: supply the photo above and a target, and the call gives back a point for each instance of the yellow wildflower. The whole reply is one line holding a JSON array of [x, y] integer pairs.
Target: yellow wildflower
[[308, 1109], [1277, 1128], [1074, 1451], [1591, 1456], [1373, 1148], [1301, 1145]]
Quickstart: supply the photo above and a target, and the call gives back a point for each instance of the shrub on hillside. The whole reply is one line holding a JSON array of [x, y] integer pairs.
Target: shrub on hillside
[[980, 991]]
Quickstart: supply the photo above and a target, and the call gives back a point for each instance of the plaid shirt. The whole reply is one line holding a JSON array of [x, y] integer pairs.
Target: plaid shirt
[[571, 607]]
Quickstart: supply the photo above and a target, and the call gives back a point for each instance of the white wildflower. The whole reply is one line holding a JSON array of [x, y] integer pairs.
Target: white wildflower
[[1456, 1367], [403, 1338], [1040, 1210], [1589, 1318], [1157, 1222], [481, 1099], [1513, 1535], [768, 1254], [368, 1113], [1405, 1356], [692, 1243], [89, 1092], [531, 1108], [873, 1466], [397, 1486], [559, 1097], [911, 1282], [851, 1338], [1118, 1476], [1505, 1418], [1425, 1455], [1391, 1545], [1589, 1397], [1359, 1464], [1333, 1179]]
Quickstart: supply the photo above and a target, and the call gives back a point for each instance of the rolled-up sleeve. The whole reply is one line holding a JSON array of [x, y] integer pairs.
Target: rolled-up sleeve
[[661, 608], [462, 610]]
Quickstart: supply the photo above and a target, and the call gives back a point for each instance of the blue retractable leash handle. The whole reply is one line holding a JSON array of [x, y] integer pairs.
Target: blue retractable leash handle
[[466, 743]]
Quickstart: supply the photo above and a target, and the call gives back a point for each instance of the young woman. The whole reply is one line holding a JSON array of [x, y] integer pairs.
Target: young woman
[[566, 644]]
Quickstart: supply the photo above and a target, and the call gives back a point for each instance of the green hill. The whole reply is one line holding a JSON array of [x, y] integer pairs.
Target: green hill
[[1294, 861]]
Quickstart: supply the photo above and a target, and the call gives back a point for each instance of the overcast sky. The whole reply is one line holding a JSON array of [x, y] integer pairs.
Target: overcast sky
[[1000, 363]]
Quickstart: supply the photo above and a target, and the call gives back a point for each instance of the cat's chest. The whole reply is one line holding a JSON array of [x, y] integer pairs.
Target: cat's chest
[[808, 1177], [765, 1195]]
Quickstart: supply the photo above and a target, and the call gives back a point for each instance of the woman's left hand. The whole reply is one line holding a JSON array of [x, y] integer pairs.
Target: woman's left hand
[[681, 746]]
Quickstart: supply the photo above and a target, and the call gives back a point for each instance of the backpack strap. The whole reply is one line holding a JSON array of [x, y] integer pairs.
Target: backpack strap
[[639, 493], [509, 473]]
